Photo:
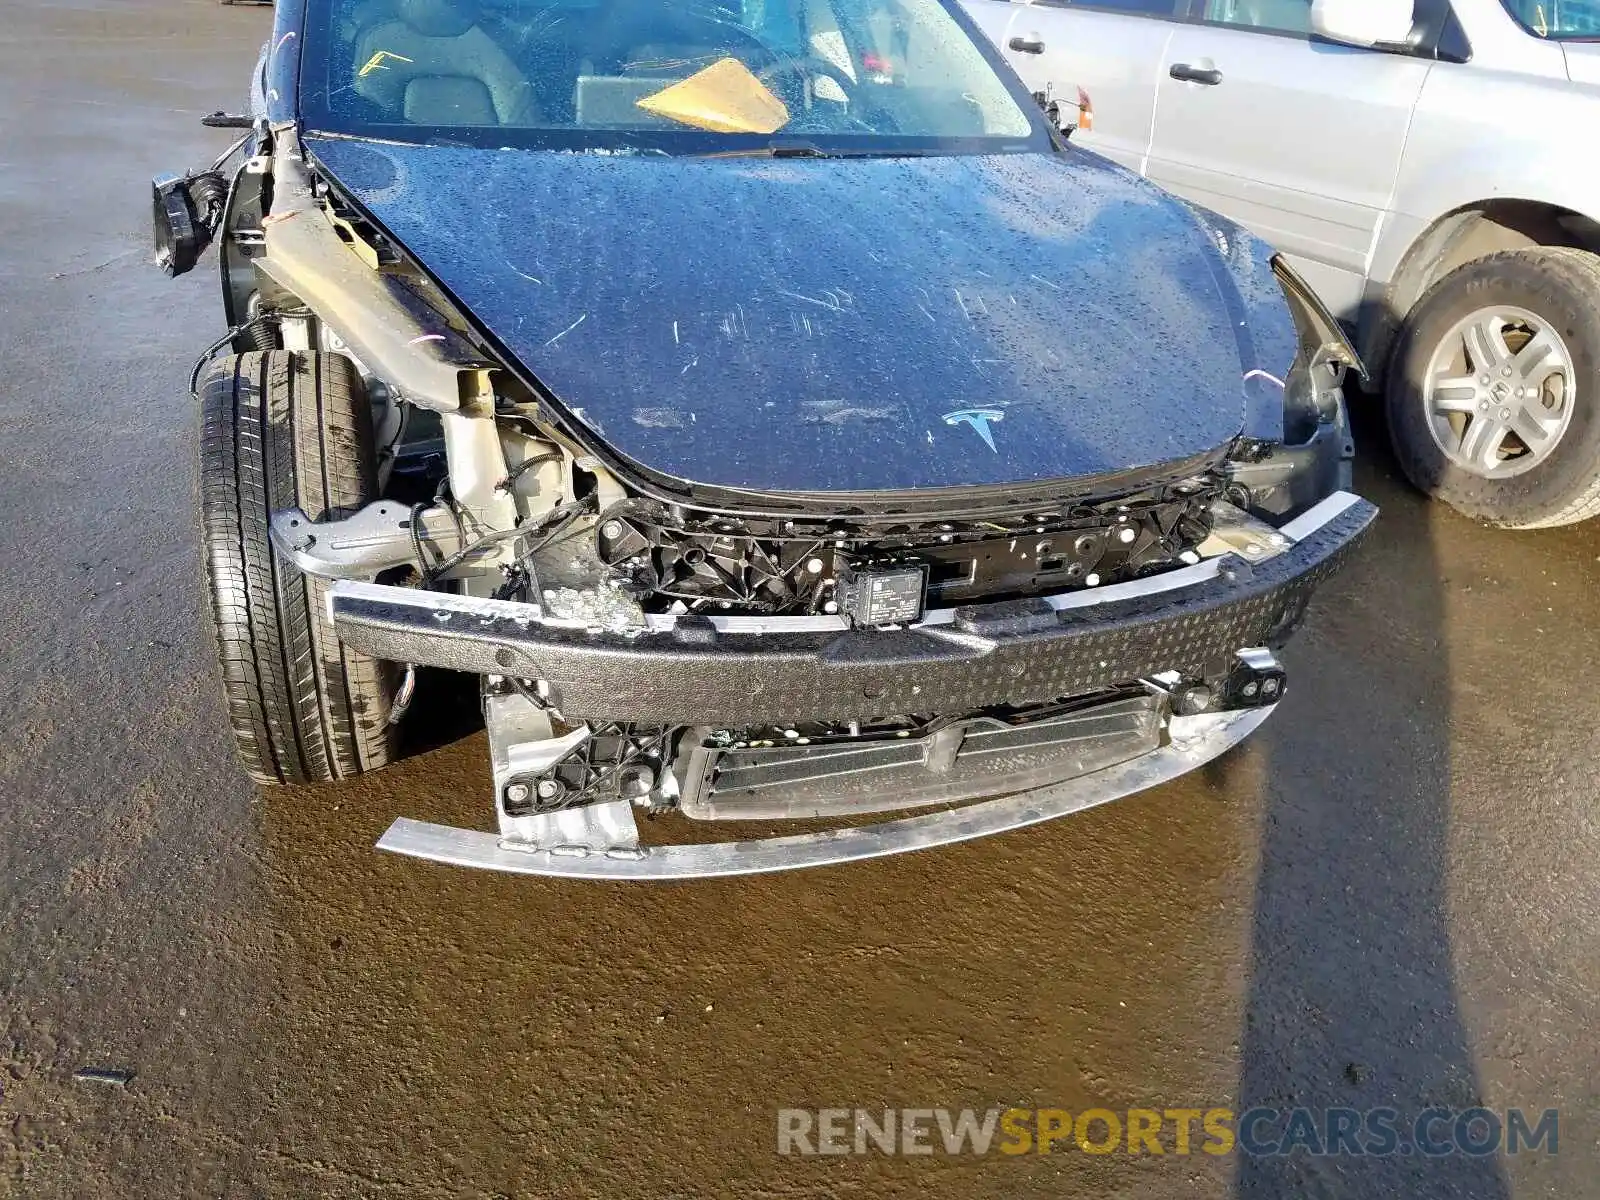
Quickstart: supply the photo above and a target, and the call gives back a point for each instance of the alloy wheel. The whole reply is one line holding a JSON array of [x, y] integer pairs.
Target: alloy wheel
[[1498, 391]]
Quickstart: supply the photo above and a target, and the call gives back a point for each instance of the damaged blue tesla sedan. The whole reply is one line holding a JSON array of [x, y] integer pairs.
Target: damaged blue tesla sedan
[[766, 402]]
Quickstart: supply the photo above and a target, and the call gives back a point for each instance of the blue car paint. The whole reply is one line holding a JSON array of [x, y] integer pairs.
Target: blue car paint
[[831, 324]]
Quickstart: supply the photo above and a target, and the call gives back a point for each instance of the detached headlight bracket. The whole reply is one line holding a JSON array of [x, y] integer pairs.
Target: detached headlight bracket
[[186, 214]]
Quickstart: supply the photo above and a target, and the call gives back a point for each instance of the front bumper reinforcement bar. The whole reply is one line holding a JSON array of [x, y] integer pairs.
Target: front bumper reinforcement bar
[[699, 670]]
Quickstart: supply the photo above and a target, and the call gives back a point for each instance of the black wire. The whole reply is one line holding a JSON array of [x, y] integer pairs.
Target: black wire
[[443, 495], [207, 356], [523, 467], [416, 538], [565, 523], [225, 339], [564, 514], [454, 560], [516, 579]]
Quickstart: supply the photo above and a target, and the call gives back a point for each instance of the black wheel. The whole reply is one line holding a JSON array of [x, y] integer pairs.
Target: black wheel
[[1493, 392], [281, 429]]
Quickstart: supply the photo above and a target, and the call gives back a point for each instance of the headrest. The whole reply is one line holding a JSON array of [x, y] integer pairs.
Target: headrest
[[435, 18]]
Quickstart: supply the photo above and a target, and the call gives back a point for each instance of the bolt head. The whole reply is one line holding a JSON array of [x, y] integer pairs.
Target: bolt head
[[1091, 580], [1484, 379], [1505, 414], [517, 793], [548, 788], [1126, 535], [612, 529]]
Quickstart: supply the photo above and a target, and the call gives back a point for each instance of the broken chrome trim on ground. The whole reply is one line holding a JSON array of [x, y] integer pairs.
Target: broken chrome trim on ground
[[1194, 741]]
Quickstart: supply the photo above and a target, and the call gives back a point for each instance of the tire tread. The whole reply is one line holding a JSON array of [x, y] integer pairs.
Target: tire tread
[[281, 429]]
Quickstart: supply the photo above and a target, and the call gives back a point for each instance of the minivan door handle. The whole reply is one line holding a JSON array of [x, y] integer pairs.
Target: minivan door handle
[[1026, 45], [1209, 76]]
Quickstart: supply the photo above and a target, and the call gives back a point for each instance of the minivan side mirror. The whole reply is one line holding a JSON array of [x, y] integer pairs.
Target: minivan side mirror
[[1363, 22]]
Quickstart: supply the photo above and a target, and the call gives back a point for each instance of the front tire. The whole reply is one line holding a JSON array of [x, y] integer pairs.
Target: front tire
[[1493, 393], [279, 430]]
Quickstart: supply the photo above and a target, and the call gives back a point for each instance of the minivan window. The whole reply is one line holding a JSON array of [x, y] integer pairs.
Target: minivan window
[[1147, 8], [1281, 16], [1559, 19], [673, 76]]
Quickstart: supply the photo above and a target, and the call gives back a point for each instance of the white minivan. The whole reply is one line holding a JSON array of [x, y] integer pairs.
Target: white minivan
[[1430, 166]]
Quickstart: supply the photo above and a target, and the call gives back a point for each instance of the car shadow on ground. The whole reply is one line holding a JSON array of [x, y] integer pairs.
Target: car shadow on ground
[[1352, 998]]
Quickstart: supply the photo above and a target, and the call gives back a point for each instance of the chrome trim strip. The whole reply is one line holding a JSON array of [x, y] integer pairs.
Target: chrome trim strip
[[1318, 515], [446, 602], [1304, 525], [1194, 742], [666, 623]]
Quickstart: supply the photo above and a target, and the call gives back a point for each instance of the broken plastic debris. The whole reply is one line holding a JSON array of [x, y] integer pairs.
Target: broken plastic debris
[[606, 607], [726, 97]]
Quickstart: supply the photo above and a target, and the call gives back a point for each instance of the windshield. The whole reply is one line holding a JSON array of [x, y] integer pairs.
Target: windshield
[[1560, 19], [666, 76]]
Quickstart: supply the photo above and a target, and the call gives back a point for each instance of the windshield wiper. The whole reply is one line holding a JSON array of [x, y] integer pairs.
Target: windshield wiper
[[796, 149]]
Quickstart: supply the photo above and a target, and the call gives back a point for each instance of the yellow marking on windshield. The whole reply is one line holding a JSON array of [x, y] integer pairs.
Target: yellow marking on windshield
[[726, 97], [377, 62]]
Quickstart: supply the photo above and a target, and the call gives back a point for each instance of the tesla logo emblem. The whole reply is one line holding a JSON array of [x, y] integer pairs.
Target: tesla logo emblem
[[979, 419]]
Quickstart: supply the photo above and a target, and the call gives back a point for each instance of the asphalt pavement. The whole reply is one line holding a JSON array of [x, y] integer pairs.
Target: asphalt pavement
[[1389, 898]]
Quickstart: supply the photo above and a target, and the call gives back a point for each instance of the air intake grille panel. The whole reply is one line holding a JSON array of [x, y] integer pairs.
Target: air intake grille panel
[[950, 762]]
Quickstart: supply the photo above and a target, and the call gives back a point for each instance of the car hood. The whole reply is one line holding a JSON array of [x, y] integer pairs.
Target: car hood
[[839, 324]]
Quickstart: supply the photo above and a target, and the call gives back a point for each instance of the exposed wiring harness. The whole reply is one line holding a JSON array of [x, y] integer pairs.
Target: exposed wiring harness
[[258, 333], [551, 524], [523, 467]]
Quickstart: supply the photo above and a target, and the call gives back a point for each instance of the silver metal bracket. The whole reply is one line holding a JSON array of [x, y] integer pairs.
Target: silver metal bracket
[[376, 539], [522, 745], [1235, 531]]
